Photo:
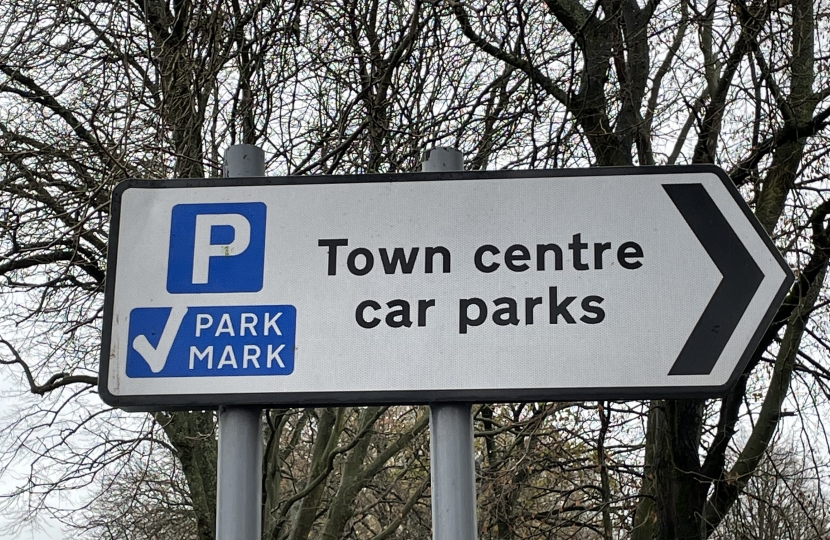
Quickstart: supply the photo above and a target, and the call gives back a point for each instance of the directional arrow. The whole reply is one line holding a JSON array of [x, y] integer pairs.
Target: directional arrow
[[741, 279]]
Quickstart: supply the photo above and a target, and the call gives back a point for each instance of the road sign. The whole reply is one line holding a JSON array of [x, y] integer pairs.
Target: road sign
[[471, 286]]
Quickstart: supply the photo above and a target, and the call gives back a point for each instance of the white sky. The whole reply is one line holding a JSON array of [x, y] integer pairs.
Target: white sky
[[45, 529], [50, 531]]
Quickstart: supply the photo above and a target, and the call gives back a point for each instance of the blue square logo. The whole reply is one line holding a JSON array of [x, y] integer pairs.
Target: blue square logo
[[216, 248]]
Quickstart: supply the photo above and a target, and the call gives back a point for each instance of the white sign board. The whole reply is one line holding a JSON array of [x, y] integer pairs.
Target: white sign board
[[488, 286]]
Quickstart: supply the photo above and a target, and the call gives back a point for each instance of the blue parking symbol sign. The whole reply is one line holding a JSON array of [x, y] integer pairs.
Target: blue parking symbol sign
[[216, 248]]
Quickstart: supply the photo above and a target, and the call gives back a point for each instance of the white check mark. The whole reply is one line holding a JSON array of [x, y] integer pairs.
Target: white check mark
[[156, 357]]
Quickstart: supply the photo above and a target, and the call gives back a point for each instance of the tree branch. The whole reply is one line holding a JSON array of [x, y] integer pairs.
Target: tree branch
[[520, 63], [58, 380]]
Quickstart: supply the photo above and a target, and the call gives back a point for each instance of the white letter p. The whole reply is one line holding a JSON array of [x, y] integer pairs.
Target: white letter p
[[203, 250]]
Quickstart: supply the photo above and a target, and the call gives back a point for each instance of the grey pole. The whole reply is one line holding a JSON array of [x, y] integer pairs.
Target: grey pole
[[452, 467], [243, 160], [239, 464], [441, 159]]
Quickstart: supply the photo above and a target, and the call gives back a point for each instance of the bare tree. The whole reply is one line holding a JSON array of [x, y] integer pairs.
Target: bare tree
[[783, 500], [96, 91]]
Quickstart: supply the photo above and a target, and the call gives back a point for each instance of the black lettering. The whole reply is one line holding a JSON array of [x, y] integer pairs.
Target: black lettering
[[508, 314], [332, 244], [361, 311], [576, 247], [599, 249], [369, 261], [487, 248], [557, 309], [591, 304], [431, 252], [423, 306], [516, 252], [398, 258], [399, 317], [530, 305], [630, 250], [464, 320], [541, 249]]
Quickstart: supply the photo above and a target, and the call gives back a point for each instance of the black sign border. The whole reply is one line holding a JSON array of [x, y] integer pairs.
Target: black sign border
[[170, 402]]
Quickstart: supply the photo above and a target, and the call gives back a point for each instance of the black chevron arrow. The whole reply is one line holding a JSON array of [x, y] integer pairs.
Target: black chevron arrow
[[741, 279]]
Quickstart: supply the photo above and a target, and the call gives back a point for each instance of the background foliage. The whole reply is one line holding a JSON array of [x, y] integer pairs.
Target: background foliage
[[95, 91]]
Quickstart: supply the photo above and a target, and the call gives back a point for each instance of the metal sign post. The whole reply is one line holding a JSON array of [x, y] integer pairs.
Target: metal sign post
[[452, 468], [239, 461]]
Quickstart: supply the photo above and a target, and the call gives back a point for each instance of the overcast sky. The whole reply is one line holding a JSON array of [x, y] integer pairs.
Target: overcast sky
[[50, 530]]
